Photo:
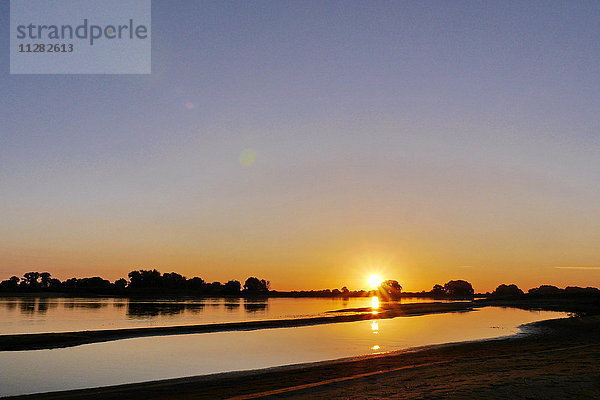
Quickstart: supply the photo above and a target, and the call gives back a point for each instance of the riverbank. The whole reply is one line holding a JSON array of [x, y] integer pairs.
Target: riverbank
[[38, 341], [190, 295], [555, 359]]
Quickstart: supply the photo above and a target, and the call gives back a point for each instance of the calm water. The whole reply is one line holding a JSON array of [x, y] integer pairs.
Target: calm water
[[29, 315], [143, 359]]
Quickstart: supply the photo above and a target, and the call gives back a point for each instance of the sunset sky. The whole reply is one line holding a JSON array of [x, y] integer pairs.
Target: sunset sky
[[315, 143]]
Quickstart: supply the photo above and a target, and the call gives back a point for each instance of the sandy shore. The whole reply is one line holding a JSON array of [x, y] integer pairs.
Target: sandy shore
[[38, 341], [556, 359]]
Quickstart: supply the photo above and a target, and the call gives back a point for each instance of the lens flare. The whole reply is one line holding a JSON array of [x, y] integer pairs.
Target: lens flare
[[247, 157]]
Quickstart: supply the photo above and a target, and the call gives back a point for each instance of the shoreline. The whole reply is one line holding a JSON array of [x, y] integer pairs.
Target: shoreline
[[41, 341], [274, 294], [552, 353]]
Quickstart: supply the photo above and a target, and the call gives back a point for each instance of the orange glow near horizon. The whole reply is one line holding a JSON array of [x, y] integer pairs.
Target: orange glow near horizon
[[318, 268]]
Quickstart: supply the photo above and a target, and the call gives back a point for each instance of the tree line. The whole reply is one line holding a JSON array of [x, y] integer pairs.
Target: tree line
[[152, 282], [140, 282], [513, 290], [463, 289], [387, 289]]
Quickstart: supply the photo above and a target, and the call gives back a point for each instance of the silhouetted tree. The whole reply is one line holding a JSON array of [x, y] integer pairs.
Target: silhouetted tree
[[390, 289], [120, 284], [30, 279], [438, 290], [45, 279], [581, 291], [11, 283], [459, 288], [507, 290], [95, 283], [545, 290], [232, 287], [70, 283], [195, 283], [173, 280], [55, 283], [255, 285], [144, 279], [214, 288]]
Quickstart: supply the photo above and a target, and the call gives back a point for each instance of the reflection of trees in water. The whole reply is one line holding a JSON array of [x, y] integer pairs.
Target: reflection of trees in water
[[195, 308], [43, 305], [232, 304], [134, 309], [27, 306], [151, 309], [252, 306], [30, 305], [9, 305], [92, 305]]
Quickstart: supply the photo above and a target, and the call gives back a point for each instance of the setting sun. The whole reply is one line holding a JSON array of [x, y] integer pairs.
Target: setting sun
[[374, 281]]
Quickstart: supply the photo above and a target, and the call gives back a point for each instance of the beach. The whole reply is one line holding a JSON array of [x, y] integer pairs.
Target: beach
[[550, 360]]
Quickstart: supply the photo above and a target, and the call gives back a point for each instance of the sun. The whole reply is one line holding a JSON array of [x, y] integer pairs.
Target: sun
[[374, 281]]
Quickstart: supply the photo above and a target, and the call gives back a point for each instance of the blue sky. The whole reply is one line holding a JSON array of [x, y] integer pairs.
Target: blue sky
[[422, 137]]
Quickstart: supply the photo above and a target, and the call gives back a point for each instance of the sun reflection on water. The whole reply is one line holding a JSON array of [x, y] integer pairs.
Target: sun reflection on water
[[375, 327], [375, 331], [374, 304]]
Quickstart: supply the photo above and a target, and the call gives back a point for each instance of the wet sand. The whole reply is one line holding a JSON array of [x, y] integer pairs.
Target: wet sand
[[38, 341], [556, 359]]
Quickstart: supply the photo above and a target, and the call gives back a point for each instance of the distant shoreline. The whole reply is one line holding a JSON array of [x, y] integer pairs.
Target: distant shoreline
[[272, 294]]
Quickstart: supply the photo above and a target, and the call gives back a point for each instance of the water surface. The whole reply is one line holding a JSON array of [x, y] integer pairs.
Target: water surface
[[152, 358], [43, 314]]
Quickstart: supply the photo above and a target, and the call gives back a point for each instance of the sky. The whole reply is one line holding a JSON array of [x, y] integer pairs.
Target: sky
[[315, 143]]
